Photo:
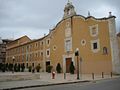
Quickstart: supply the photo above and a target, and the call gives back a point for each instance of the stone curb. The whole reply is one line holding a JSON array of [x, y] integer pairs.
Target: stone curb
[[52, 84], [46, 85]]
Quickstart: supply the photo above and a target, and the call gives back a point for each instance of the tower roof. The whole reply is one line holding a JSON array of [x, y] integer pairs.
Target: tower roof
[[68, 5], [69, 10]]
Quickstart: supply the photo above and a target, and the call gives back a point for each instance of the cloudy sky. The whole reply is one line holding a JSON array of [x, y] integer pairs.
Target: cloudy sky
[[34, 18]]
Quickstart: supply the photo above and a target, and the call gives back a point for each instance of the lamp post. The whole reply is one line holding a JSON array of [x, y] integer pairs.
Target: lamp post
[[77, 55], [13, 63], [80, 67]]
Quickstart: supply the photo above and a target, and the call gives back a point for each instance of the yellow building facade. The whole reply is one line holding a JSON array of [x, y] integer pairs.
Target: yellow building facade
[[95, 39]]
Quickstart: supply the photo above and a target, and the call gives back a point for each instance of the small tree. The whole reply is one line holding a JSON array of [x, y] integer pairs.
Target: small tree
[[49, 68], [58, 68], [6, 65], [3, 67], [30, 68], [10, 67], [0, 66], [18, 68], [15, 68], [22, 67], [72, 68], [38, 67]]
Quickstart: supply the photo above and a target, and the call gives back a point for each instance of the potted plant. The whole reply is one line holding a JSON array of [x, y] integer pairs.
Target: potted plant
[[22, 68], [10, 67], [3, 67], [72, 68], [30, 68], [49, 68], [18, 67], [58, 68], [38, 67]]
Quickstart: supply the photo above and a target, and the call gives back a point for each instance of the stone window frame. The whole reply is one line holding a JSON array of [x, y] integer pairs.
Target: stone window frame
[[36, 44], [47, 41], [66, 44], [91, 30], [47, 50], [68, 32], [98, 45], [83, 44], [42, 43], [67, 24], [105, 50], [41, 53], [54, 47]]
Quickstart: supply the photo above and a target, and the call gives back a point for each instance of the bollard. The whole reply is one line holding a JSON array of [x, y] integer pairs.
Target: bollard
[[53, 75], [64, 75], [93, 76], [102, 74], [111, 74]]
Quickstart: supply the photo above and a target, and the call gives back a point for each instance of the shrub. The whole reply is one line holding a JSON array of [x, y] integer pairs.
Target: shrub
[[58, 68], [15, 68], [18, 68], [0, 66], [30, 68], [38, 67], [72, 68], [22, 67], [10, 67], [6, 65], [3, 67], [49, 68]]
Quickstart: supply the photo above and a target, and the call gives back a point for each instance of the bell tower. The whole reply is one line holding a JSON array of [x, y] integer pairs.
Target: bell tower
[[69, 10]]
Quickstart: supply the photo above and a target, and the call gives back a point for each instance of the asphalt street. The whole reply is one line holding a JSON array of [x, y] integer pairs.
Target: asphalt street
[[112, 84]]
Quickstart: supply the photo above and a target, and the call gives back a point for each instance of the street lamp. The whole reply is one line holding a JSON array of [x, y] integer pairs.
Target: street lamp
[[81, 67], [13, 58], [77, 55]]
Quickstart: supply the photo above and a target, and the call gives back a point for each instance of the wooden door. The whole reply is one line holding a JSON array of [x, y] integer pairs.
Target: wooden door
[[68, 62]]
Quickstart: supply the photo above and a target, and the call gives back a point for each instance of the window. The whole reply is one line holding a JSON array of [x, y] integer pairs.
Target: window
[[31, 46], [33, 64], [30, 56], [105, 51], [93, 30], [27, 48], [95, 45], [68, 25], [48, 52], [36, 44], [42, 43], [36, 55], [27, 65], [83, 42], [41, 53], [54, 47], [68, 12], [68, 44], [48, 42], [67, 32], [22, 49]]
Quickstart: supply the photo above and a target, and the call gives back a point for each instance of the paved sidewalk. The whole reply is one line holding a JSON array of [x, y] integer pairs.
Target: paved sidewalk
[[45, 79]]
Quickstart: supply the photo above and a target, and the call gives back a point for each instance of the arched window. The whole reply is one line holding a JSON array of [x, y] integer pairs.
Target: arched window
[[105, 51]]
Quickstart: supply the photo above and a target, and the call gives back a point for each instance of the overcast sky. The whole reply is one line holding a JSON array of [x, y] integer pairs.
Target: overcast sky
[[34, 18]]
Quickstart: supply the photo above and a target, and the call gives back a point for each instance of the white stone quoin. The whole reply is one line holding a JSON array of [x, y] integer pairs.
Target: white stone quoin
[[114, 46]]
